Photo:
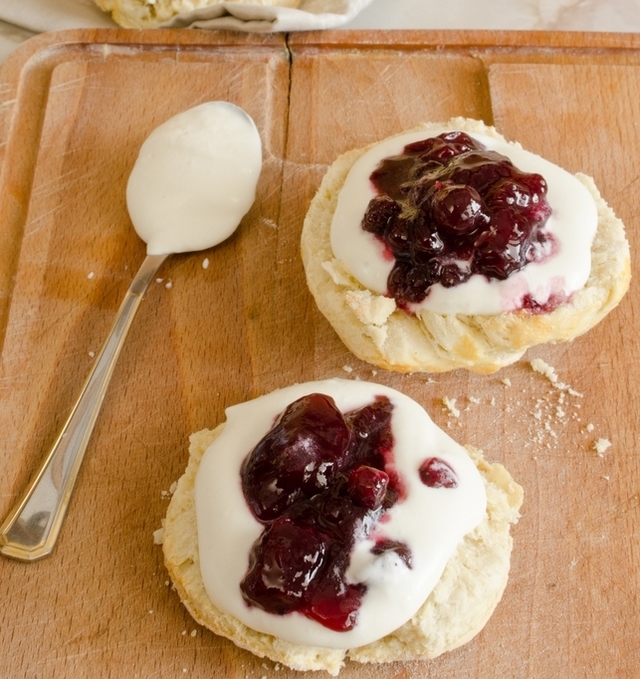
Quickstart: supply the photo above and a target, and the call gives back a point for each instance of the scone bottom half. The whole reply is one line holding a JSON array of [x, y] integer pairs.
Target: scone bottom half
[[377, 329], [456, 608]]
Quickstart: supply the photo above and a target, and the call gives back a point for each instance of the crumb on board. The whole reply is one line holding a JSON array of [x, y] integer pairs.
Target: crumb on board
[[166, 494], [347, 368], [450, 405], [506, 381], [601, 445], [542, 367], [158, 536], [548, 371]]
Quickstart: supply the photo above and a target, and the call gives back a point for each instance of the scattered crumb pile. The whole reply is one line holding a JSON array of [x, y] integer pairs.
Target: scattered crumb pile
[[542, 414], [450, 405], [549, 372]]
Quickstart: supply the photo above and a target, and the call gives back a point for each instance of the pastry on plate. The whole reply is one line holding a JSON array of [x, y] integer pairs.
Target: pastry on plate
[[448, 247], [333, 521], [151, 13]]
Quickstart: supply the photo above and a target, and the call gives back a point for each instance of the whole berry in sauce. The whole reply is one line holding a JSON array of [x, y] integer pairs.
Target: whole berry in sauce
[[458, 208], [436, 473], [297, 458], [367, 486]]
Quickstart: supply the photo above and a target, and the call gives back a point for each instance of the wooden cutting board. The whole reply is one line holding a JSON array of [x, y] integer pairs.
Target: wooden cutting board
[[75, 107]]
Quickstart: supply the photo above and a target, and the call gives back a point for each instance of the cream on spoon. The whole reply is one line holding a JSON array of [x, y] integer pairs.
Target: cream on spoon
[[194, 180]]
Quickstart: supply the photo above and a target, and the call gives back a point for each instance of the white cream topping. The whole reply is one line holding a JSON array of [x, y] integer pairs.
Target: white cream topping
[[573, 224], [195, 178], [431, 521]]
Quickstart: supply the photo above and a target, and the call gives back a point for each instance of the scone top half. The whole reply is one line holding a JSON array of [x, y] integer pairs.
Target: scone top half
[[412, 276]]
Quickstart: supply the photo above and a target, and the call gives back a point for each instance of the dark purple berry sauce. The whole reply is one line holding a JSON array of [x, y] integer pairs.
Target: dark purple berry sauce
[[448, 208], [317, 480]]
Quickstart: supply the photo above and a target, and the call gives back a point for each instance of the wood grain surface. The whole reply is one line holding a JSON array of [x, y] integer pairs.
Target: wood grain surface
[[74, 109]]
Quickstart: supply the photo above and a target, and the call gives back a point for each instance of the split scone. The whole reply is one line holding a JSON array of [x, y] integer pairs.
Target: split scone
[[447, 247], [152, 13], [333, 520]]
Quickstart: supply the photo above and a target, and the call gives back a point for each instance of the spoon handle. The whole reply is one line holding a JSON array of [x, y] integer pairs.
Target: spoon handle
[[31, 529]]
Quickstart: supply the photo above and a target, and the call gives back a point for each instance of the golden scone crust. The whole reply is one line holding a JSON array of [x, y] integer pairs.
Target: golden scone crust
[[375, 330], [456, 610], [147, 14]]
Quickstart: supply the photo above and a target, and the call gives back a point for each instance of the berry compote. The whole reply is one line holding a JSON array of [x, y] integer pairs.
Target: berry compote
[[319, 481], [448, 208]]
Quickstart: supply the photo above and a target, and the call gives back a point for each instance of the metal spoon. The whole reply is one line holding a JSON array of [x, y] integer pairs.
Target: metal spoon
[[31, 530]]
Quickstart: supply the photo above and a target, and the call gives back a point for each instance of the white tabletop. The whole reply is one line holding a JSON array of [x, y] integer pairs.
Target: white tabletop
[[579, 15]]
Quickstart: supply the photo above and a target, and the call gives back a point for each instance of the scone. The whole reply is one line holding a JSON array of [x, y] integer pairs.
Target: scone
[[151, 13], [412, 277], [220, 583]]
